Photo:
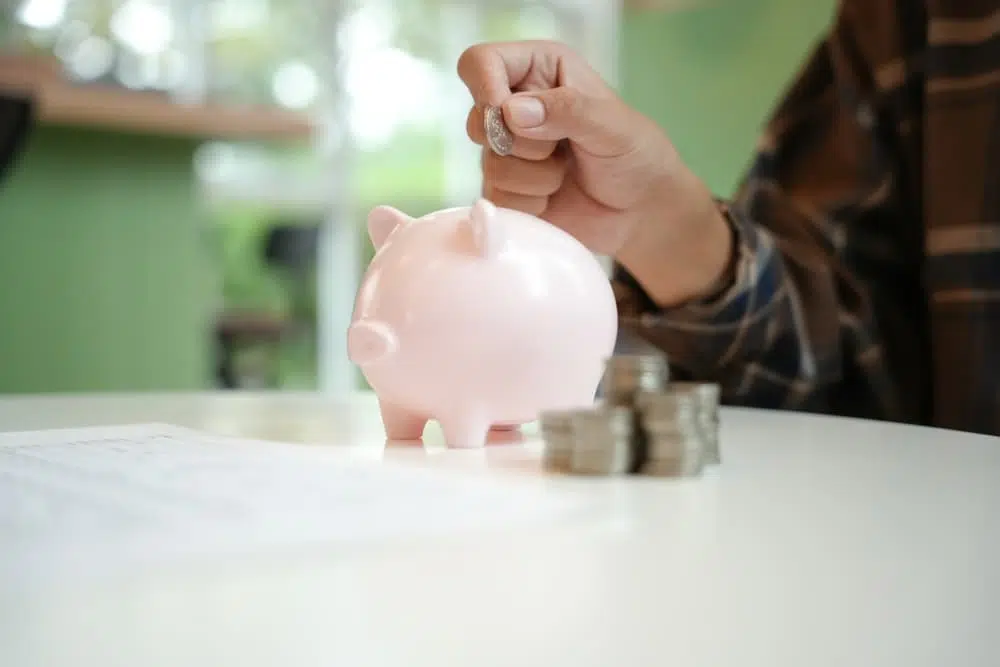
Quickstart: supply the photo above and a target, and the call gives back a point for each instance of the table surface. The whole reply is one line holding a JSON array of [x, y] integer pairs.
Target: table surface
[[819, 541]]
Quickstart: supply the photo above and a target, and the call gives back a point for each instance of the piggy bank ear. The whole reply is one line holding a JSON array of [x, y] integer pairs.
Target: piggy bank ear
[[486, 234], [369, 341], [382, 221]]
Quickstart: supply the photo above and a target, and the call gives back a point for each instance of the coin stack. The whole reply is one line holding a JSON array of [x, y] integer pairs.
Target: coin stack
[[675, 442], [708, 416], [602, 441], [645, 424], [557, 432], [627, 375]]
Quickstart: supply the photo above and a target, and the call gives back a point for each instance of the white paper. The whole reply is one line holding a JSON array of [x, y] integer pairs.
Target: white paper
[[95, 498]]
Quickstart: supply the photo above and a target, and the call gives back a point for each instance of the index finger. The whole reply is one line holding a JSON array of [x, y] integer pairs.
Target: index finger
[[491, 71]]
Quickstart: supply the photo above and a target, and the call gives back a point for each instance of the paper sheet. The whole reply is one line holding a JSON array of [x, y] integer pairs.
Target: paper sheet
[[139, 495]]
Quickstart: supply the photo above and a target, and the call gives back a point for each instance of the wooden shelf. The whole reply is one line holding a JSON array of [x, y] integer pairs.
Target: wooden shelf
[[61, 102]]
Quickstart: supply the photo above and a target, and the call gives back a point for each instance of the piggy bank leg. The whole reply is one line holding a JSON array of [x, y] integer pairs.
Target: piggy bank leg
[[401, 424], [465, 430]]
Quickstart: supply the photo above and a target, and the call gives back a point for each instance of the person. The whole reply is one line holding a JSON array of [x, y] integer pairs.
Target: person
[[855, 272]]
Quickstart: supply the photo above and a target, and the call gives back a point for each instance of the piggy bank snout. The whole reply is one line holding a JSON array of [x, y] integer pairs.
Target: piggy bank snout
[[369, 342]]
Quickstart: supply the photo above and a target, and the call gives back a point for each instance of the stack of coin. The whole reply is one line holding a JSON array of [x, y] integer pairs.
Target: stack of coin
[[557, 432], [627, 375], [675, 441], [646, 424], [708, 416], [602, 441]]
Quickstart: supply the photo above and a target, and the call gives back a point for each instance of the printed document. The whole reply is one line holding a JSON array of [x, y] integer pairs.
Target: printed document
[[139, 495]]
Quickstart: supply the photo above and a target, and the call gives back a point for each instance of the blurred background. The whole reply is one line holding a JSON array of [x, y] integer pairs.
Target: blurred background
[[188, 210]]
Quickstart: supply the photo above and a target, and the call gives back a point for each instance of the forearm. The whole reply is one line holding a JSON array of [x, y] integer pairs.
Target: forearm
[[683, 254]]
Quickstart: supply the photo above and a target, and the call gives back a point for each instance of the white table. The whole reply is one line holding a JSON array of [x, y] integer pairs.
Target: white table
[[819, 542]]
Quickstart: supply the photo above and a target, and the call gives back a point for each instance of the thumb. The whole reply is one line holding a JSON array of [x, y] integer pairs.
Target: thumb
[[603, 126]]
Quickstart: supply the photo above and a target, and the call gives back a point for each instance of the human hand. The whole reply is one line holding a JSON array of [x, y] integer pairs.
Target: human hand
[[588, 163]]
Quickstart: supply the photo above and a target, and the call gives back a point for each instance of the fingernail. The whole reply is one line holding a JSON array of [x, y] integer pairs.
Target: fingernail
[[525, 111]]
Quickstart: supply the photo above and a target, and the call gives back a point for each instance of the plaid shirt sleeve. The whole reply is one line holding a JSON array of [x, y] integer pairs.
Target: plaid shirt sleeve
[[796, 329]]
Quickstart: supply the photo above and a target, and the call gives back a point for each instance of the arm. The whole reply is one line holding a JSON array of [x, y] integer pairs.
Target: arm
[[802, 323]]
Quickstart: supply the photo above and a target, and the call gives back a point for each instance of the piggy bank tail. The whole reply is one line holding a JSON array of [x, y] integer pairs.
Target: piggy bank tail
[[369, 341]]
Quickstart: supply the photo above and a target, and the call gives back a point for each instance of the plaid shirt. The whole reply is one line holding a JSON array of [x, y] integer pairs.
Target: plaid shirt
[[868, 232]]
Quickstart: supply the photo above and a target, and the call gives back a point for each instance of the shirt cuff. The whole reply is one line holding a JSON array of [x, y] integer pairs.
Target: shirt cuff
[[754, 276], [702, 339]]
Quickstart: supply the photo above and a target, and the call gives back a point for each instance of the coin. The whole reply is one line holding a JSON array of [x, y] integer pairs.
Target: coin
[[557, 435], [674, 456], [672, 407], [709, 396], [679, 466], [627, 375], [602, 441], [497, 135], [643, 423], [637, 362], [675, 439]]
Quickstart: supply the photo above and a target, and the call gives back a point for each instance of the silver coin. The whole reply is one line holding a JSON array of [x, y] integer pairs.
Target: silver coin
[[672, 421], [602, 441], [710, 431], [673, 467], [691, 431], [709, 397], [612, 461], [668, 446], [498, 136], [607, 421], [625, 376], [709, 391], [670, 403], [557, 435], [653, 361]]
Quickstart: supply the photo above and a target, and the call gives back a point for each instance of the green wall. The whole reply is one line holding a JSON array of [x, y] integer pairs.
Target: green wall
[[104, 278], [711, 76]]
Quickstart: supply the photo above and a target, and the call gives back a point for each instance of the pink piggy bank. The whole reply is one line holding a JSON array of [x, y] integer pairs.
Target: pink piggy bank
[[478, 317]]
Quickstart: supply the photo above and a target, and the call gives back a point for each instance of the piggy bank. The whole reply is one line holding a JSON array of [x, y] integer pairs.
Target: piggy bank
[[478, 318]]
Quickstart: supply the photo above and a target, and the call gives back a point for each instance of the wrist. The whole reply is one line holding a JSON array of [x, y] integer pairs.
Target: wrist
[[685, 251], [727, 278]]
